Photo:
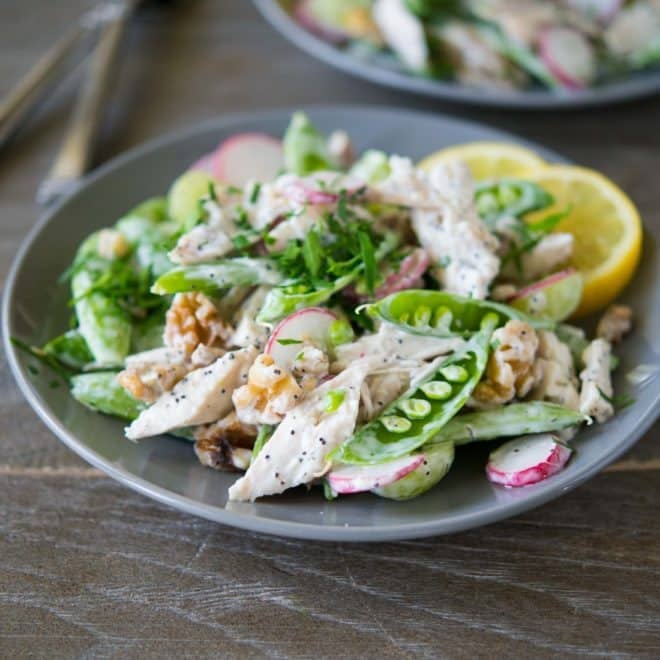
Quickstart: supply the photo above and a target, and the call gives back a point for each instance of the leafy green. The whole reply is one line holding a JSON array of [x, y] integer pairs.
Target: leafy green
[[528, 236], [368, 254], [101, 392], [70, 349], [305, 149], [311, 252], [263, 435]]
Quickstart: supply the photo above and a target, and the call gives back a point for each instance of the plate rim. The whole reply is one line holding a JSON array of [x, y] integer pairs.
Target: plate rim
[[448, 524], [614, 93]]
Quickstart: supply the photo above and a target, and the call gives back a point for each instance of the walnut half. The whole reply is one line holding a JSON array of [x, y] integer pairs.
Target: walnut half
[[510, 371], [615, 323], [271, 391], [193, 319]]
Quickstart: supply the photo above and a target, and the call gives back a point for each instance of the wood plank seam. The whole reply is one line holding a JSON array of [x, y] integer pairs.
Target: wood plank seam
[[92, 473]]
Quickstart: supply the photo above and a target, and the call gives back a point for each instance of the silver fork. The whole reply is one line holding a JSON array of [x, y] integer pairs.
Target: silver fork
[[74, 156]]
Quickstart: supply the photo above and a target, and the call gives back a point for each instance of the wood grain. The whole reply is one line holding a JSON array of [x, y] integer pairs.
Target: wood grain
[[91, 569], [123, 575]]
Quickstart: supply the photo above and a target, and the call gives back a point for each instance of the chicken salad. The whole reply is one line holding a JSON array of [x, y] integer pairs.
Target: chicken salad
[[306, 316]]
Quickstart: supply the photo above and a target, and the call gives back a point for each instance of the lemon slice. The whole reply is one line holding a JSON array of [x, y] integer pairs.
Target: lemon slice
[[488, 160], [606, 227]]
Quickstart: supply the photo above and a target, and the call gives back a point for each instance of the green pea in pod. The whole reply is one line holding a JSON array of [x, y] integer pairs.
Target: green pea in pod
[[417, 416], [444, 314]]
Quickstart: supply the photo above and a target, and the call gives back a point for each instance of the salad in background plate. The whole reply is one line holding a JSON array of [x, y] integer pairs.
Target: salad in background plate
[[310, 316], [507, 44]]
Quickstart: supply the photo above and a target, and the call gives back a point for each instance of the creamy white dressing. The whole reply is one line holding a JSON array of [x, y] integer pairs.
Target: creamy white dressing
[[203, 396], [296, 452]]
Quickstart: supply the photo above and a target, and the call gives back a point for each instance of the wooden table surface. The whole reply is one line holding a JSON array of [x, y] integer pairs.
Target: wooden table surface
[[90, 568]]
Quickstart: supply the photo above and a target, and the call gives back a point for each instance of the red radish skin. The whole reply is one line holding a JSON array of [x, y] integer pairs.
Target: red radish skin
[[205, 164], [527, 460], [542, 284], [248, 156], [309, 190], [346, 480], [302, 193], [409, 276], [311, 324], [569, 56], [305, 16], [411, 270]]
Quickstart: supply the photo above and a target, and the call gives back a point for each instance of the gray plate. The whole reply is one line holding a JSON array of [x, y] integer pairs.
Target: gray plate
[[166, 469], [386, 71]]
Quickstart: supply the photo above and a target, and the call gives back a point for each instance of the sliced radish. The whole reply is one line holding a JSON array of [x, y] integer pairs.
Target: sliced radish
[[321, 188], [555, 297], [303, 192], [602, 10], [411, 270], [305, 15], [308, 325], [527, 460], [569, 56], [360, 478], [409, 276], [205, 164], [248, 156]]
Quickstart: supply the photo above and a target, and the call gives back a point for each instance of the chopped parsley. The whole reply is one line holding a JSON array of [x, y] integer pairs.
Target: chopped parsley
[[256, 191]]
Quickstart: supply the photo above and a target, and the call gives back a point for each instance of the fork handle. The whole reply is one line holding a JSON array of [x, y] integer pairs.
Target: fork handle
[[74, 156], [46, 71]]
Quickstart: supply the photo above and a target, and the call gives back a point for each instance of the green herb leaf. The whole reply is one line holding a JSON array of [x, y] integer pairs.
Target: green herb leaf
[[368, 255], [255, 193], [263, 435], [288, 342], [311, 252], [618, 402]]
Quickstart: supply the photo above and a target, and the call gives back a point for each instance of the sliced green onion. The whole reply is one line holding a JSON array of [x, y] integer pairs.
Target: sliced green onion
[[334, 399]]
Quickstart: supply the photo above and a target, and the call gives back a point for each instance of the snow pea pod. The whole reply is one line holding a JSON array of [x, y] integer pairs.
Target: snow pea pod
[[519, 54], [242, 271], [101, 392], [148, 332], [70, 349], [305, 149], [284, 300], [102, 322], [438, 459], [443, 314], [514, 419], [509, 197], [419, 414]]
